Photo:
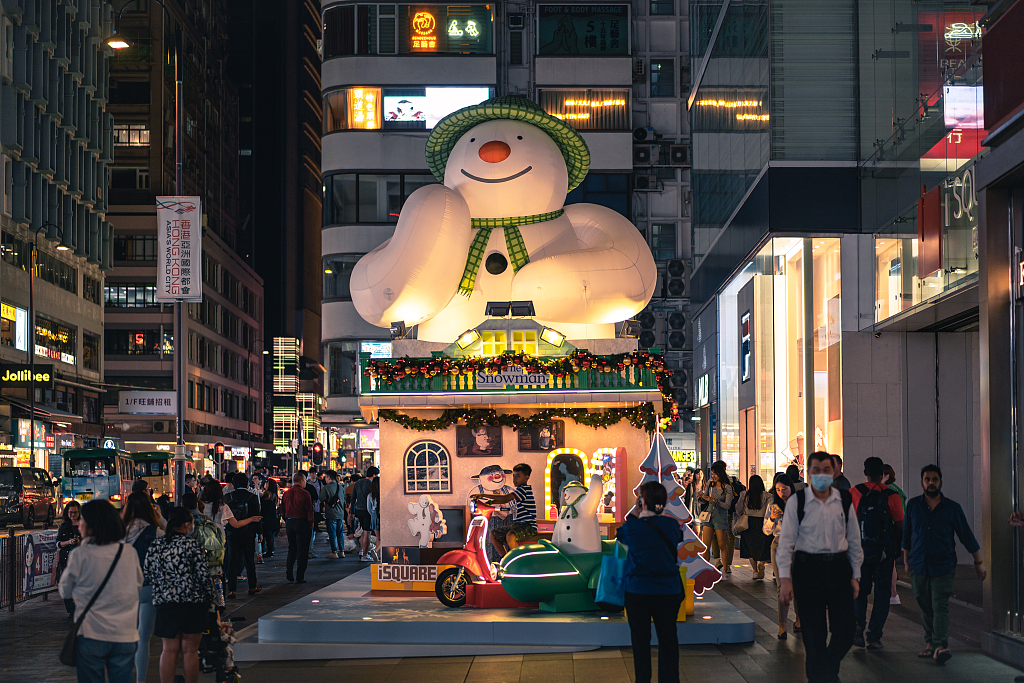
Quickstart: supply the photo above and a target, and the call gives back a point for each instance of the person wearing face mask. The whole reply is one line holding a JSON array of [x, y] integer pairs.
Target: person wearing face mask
[[820, 558], [929, 552]]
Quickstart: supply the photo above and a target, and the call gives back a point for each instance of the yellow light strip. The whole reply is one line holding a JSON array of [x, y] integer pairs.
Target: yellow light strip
[[547, 472]]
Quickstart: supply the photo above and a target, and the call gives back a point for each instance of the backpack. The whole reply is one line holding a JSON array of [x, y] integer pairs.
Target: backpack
[[876, 523], [844, 496], [333, 500], [142, 543], [243, 505], [210, 538]]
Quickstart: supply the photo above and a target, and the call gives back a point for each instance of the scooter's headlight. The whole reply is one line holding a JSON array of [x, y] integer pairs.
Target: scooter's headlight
[[472, 507]]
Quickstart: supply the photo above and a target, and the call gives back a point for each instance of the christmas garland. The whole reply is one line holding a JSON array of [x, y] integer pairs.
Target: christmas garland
[[391, 369], [642, 416]]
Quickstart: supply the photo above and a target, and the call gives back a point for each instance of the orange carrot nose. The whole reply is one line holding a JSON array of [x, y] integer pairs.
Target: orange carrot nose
[[494, 151]]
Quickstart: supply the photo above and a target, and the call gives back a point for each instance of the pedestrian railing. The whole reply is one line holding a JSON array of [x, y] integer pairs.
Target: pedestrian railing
[[27, 566]]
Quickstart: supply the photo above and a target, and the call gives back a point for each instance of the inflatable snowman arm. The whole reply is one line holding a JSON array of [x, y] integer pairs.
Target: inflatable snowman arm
[[415, 274], [592, 500], [612, 273]]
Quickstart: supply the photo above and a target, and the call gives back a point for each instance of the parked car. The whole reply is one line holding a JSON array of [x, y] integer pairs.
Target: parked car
[[27, 495]]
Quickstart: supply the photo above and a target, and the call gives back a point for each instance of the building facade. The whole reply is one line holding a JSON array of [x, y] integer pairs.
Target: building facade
[[56, 143], [224, 368], [617, 72]]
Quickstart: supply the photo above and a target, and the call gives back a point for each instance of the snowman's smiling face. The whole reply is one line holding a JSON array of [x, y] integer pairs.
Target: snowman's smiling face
[[507, 168]]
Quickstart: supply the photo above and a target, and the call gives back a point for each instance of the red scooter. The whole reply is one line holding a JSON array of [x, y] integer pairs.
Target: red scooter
[[471, 563]]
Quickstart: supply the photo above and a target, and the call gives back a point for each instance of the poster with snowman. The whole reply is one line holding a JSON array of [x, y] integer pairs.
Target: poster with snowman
[[497, 229]]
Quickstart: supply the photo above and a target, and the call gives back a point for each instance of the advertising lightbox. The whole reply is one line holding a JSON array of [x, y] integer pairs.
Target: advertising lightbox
[[963, 106], [422, 108]]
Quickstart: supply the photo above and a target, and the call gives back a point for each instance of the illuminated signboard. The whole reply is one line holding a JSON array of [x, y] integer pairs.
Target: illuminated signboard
[[963, 106], [364, 108], [14, 327], [55, 340], [369, 439], [703, 398], [14, 375], [745, 346], [583, 30], [422, 108], [605, 109], [376, 349], [446, 28]]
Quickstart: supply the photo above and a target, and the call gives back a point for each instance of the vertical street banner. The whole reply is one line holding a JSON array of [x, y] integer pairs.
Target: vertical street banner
[[179, 237], [40, 562]]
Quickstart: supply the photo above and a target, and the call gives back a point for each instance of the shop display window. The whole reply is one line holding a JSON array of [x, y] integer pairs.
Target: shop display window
[[606, 109], [781, 320]]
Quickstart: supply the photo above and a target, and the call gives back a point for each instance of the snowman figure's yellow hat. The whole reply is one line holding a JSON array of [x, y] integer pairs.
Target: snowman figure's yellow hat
[[514, 108]]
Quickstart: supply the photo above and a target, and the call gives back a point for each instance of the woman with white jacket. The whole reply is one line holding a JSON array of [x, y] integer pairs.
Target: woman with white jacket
[[108, 634]]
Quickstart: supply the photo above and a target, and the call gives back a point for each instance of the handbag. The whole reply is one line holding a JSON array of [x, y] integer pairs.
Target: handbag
[[69, 651], [741, 525], [704, 516], [611, 585]]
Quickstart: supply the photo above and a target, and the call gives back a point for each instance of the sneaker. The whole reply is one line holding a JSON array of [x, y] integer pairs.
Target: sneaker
[[858, 638], [874, 646], [895, 600], [364, 558], [341, 554], [332, 555], [311, 554]]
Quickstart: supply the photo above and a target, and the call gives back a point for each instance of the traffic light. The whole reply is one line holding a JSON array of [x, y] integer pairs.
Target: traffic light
[[218, 449], [318, 454]]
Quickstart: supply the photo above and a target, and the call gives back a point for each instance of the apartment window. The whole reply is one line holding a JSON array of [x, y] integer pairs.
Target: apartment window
[[91, 351], [515, 48], [15, 250], [49, 269], [337, 273], [343, 375], [132, 342], [663, 74], [607, 189], [129, 296], [90, 409], [663, 7], [129, 92], [91, 289], [663, 241], [131, 135], [129, 178], [368, 198], [594, 30], [407, 29], [135, 248], [606, 109]]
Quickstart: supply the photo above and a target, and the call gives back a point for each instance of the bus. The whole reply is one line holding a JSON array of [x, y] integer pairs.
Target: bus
[[97, 474], [157, 468]]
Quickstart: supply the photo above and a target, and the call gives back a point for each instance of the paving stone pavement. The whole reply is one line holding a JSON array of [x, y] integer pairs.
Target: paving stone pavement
[[30, 639]]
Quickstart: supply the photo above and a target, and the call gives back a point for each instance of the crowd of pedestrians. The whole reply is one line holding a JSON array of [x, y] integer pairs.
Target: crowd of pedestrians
[[151, 569]]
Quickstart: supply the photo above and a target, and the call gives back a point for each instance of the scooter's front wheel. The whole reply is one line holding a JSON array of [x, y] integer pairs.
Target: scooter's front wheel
[[450, 587]]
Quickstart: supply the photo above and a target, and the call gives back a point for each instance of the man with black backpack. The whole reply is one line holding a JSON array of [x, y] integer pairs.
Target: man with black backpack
[[819, 558], [880, 516], [332, 496], [242, 541]]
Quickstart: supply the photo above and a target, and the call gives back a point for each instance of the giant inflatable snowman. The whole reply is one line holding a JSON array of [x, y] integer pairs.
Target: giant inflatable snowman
[[497, 230]]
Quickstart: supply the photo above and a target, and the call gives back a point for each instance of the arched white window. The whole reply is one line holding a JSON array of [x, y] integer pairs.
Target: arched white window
[[427, 468]]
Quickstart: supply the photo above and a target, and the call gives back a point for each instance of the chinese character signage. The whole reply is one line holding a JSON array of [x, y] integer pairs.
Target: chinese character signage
[[40, 560], [424, 32], [179, 249], [584, 30], [462, 29], [364, 108], [146, 402]]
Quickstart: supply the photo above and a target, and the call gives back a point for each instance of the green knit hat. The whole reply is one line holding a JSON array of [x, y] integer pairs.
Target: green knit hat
[[452, 127]]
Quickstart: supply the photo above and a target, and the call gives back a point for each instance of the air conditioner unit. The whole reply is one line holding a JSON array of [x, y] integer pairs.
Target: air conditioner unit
[[641, 134], [645, 182], [642, 155], [160, 427], [678, 284], [515, 21], [679, 155]]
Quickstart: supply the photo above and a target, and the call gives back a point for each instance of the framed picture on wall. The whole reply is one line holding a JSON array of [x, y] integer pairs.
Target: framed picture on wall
[[544, 438], [478, 441]]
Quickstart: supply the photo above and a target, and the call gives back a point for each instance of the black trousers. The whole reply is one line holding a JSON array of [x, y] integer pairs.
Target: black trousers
[[824, 598], [242, 548], [299, 534], [663, 609]]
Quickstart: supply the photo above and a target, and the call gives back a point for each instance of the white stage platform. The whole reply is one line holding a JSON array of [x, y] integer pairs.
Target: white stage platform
[[342, 622]]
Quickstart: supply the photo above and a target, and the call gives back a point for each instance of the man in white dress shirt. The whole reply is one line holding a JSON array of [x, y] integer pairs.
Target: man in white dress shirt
[[819, 560]]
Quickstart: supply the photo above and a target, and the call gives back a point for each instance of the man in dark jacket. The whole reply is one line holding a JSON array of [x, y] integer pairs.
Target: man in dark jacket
[[242, 542], [332, 502]]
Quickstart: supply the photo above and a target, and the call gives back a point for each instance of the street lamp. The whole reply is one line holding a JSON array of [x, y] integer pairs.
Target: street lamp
[[32, 335], [118, 42], [248, 388]]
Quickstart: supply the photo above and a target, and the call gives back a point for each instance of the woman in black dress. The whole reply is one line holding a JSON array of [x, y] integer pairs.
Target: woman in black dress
[[68, 538], [755, 545], [269, 502]]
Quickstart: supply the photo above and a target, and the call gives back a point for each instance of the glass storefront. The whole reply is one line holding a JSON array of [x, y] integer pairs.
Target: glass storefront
[[780, 343]]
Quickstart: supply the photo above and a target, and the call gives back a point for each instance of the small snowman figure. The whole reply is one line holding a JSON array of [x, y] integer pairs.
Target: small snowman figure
[[427, 522], [577, 529], [498, 230]]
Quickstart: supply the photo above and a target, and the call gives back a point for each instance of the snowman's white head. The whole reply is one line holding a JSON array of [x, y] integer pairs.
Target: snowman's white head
[[507, 168]]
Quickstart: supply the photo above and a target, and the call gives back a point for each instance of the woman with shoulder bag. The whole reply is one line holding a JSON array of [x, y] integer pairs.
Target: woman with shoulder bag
[[68, 538], [654, 589], [104, 581], [269, 502], [142, 526], [182, 593], [784, 489], [714, 519], [752, 506]]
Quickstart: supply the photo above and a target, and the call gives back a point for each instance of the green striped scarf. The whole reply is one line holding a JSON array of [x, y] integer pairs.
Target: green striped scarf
[[513, 241]]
